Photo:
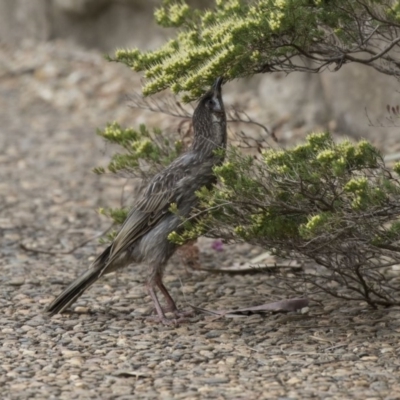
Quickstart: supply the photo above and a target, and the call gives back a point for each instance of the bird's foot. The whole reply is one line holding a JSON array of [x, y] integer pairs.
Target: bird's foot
[[172, 308], [180, 316]]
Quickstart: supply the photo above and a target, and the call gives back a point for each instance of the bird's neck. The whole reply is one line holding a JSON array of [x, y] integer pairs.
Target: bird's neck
[[206, 144]]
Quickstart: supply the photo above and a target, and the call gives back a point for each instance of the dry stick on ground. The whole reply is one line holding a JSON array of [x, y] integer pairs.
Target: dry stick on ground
[[251, 269], [278, 306]]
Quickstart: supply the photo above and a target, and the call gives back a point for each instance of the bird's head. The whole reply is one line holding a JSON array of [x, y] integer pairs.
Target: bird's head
[[209, 118]]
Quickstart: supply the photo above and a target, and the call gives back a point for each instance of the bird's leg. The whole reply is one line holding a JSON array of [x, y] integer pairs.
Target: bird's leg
[[171, 306], [161, 316], [156, 280]]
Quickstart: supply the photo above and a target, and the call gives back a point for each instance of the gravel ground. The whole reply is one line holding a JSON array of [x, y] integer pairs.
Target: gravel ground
[[52, 97]]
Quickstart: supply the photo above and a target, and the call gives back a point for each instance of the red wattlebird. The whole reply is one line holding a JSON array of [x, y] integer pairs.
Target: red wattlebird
[[143, 237]]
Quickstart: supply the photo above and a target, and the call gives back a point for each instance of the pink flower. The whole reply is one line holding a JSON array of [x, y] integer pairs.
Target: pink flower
[[218, 245]]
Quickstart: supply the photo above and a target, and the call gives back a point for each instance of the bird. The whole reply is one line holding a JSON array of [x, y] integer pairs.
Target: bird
[[143, 237]]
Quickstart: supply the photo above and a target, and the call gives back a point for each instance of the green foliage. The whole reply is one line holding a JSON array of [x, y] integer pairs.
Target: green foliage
[[306, 193], [151, 147], [396, 168], [239, 38], [313, 191], [117, 214]]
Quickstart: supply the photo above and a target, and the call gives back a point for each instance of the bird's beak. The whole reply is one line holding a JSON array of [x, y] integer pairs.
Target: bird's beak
[[216, 87]]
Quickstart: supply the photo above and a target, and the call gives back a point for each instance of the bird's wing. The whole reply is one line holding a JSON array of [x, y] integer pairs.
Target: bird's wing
[[150, 207], [160, 192]]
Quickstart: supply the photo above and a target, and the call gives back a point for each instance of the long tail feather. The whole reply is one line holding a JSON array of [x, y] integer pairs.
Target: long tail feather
[[79, 285]]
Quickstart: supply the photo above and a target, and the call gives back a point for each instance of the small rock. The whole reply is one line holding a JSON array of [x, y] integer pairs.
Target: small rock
[[206, 353], [70, 353], [293, 381], [18, 281], [82, 310], [76, 361], [216, 380], [213, 334], [27, 352], [369, 358]]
